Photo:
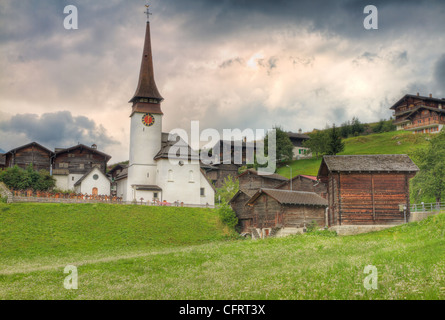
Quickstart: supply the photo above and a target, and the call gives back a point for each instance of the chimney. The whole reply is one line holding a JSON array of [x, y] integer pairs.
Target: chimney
[[94, 146], [418, 94], [300, 131], [431, 95]]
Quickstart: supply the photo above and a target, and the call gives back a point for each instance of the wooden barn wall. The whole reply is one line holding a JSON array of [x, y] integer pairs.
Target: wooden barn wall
[[268, 213], [369, 198], [307, 185], [265, 212], [254, 182], [38, 157], [300, 216], [239, 206]]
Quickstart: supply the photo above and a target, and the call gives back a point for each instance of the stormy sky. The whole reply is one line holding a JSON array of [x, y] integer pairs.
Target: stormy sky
[[228, 64]]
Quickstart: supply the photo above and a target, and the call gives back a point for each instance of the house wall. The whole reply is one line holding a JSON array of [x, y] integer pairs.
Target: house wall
[[121, 188], [80, 161]]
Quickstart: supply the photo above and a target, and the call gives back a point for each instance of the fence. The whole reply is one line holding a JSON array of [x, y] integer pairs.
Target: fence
[[58, 197], [428, 207]]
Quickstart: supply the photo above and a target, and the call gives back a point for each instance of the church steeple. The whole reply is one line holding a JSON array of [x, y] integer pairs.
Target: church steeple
[[147, 97]]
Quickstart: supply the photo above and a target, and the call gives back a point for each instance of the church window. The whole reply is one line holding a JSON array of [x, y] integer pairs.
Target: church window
[[191, 178], [170, 175], [203, 192]]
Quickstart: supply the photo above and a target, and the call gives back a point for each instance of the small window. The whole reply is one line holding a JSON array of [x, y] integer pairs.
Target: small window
[[170, 175], [191, 178], [155, 195], [96, 176], [72, 178], [203, 192], [81, 166]]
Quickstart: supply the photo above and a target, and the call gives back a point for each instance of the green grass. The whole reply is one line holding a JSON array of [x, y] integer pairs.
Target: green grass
[[123, 253], [395, 142]]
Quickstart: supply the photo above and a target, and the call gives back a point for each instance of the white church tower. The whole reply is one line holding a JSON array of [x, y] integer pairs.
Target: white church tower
[[151, 174], [146, 125]]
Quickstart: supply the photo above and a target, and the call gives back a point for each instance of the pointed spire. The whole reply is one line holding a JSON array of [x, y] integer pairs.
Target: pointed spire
[[146, 88]]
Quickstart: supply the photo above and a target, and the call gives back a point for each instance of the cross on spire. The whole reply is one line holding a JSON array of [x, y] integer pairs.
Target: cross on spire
[[147, 11]]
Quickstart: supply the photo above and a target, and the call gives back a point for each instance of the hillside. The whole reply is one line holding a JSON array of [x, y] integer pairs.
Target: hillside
[[395, 142], [125, 252]]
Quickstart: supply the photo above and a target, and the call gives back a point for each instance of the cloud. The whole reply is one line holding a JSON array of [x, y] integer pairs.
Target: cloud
[[439, 74], [58, 129]]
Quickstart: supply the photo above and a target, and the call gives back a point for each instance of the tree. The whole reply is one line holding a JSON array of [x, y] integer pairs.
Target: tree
[[335, 144], [284, 147], [318, 142], [430, 180], [223, 195]]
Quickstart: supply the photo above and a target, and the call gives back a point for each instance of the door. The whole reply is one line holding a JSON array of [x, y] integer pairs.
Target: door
[[95, 191]]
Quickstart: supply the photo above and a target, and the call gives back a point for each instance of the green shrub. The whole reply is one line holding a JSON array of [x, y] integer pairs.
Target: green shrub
[[227, 215]]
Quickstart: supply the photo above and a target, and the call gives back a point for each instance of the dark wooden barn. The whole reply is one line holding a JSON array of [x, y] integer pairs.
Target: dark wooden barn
[[31, 153], [367, 189], [270, 210], [305, 183]]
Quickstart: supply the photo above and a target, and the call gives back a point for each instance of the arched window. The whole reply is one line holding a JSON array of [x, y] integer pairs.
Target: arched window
[[191, 178], [170, 175]]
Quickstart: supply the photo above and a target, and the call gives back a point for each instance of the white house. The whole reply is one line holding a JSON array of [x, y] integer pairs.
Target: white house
[[94, 182]]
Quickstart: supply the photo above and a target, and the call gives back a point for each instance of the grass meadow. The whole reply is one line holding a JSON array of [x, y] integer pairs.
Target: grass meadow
[[134, 252], [394, 142]]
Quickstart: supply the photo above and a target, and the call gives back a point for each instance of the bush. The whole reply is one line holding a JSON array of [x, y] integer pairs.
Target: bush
[[22, 179], [227, 215]]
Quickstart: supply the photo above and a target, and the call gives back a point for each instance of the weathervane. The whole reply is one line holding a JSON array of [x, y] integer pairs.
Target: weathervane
[[147, 12]]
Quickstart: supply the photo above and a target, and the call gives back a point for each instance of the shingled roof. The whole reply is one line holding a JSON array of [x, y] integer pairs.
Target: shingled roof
[[274, 176], [368, 163], [291, 197], [176, 141]]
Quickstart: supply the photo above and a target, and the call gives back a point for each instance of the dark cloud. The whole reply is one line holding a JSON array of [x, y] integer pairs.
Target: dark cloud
[[439, 73], [59, 129]]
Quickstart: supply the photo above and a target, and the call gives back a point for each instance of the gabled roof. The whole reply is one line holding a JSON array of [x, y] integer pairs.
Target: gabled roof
[[30, 144], [313, 178], [248, 193], [406, 96], [167, 144], [82, 146], [78, 182], [291, 197], [300, 136], [368, 163], [274, 176]]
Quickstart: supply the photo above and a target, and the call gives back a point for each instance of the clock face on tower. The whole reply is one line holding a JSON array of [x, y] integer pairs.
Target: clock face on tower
[[148, 119]]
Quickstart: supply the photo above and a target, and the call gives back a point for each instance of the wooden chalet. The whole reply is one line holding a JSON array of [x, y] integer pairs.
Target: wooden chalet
[[216, 174], [419, 114], [273, 209], [79, 159], [367, 189], [31, 153]]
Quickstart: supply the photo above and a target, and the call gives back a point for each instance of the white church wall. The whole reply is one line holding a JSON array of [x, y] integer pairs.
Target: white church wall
[[180, 183], [61, 181], [95, 179], [121, 188], [209, 192]]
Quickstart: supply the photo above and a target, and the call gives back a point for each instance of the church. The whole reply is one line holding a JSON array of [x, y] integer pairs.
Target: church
[[153, 175]]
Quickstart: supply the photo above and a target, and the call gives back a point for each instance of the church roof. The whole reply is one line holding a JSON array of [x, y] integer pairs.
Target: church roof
[[146, 86], [180, 146]]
